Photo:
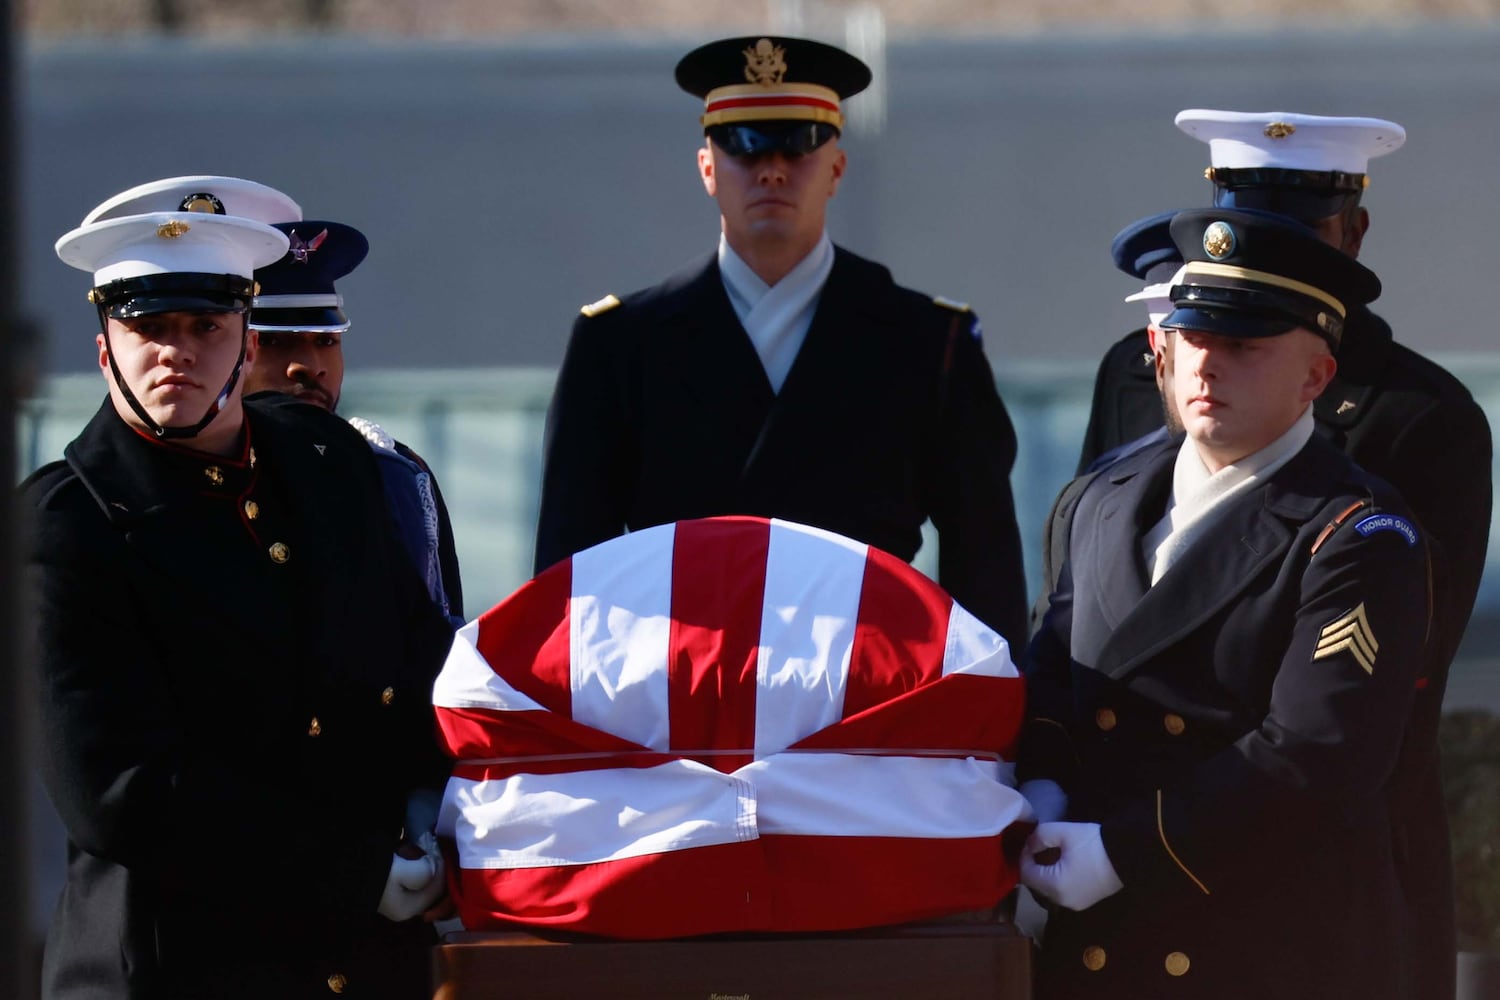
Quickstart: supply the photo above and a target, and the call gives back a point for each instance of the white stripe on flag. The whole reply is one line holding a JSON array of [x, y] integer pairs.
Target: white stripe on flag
[[538, 820], [619, 633], [811, 605], [973, 647], [853, 795], [467, 681]]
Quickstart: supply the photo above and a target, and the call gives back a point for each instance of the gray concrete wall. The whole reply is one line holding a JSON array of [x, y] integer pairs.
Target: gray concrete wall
[[504, 185]]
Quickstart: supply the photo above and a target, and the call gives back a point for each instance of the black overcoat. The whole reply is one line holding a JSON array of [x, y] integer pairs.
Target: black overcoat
[[235, 668], [888, 416], [1234, 730], [1413, 424]]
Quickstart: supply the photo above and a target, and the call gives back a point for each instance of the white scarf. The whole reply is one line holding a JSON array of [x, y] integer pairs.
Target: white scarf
[[1198, 496], [777, 316]]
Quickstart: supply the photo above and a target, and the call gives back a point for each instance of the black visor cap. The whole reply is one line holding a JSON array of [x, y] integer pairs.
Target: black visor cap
[[1304, 206], [752, 139], [149, 294]]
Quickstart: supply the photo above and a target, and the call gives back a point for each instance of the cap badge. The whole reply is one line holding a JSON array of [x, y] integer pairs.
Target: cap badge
[[202, 202], [172, 230], [300, 249], [1218, 240], [1279, 130], [765, 64]]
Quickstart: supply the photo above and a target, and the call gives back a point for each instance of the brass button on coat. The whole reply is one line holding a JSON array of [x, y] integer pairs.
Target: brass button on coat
[[252, 509], [1174, 723], [1105, 719], [1177, 964], [337, 982], [315, 728], [215, 475], [387, 696], [1093, 958], [280, 553]]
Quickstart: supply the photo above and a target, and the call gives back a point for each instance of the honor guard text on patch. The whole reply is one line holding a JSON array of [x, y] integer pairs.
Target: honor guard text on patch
[[1350, 632], [604, 305], [1388, 522]]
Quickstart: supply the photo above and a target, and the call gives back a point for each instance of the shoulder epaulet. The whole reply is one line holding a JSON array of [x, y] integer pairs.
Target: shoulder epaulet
[[946, 303], [377, 436], [604, 305]]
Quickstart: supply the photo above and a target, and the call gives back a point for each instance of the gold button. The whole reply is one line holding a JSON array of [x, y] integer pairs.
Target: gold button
[[280, 553], [215, 475], [315, 728], [1174, 724], [1177, 964], [337, 982], [1105, 719], [387, 696], [1093, 958], [252, 509]]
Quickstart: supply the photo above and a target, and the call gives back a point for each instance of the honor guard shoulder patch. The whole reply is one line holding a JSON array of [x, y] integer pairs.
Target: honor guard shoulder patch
[[1350, 631], [604, 305], [1388, 522]]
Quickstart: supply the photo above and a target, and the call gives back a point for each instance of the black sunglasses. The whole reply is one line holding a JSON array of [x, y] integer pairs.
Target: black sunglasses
[[755, 139]]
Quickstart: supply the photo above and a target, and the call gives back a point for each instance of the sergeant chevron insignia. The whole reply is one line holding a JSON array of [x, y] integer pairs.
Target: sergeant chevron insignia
[[1349, 631]]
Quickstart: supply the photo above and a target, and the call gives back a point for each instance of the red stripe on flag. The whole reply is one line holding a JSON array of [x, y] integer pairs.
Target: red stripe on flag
[[478, 733], [718, 586], [724, 887], [900, 635], [524, 639], [961, 712], [834, 883], [770, 102]]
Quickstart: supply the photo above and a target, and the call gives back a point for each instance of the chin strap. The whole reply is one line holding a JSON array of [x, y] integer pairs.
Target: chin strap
[[172, 433]]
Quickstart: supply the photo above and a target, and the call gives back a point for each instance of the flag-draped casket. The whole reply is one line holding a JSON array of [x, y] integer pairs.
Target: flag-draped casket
[[729, 724]]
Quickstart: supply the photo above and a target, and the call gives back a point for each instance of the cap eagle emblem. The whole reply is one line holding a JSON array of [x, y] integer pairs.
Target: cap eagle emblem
[[765, 64], [300, 249]]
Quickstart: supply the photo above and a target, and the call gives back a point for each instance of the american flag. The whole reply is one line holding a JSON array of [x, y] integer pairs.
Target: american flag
[[730, 724]]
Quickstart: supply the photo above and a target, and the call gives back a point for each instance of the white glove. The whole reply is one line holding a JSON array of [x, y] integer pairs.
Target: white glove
[[413, 884], [1082, 874], [1046, 798]]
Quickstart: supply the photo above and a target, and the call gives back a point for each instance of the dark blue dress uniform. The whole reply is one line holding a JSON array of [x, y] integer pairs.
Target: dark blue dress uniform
[[235, 666], [1239, 765], [1237, 728], [888, 416]]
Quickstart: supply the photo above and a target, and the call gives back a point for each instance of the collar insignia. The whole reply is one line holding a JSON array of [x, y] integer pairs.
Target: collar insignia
[[765, 64], [300, 249], [1346, 406], [1352, 632], [321, 448]]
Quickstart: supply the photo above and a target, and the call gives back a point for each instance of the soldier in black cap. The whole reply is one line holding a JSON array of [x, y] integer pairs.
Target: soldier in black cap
[[300, 320], [1390, 409], [784, 376], [1224, 678], [234, 659]]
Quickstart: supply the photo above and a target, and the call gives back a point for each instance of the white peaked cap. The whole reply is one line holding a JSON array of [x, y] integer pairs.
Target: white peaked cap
[[1157, 295], [171, 242], [1289, 141], [236, 196]]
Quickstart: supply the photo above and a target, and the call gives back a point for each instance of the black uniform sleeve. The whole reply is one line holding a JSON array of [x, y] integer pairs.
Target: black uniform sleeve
[[585, 484], [979, 552], [120, 769]]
